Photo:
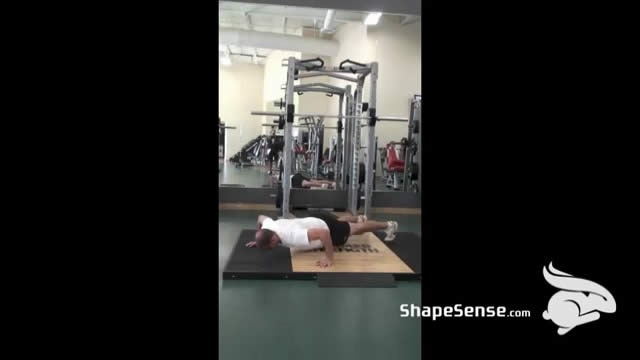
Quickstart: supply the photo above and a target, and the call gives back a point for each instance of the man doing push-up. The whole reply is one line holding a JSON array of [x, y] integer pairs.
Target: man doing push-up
[[320, 229]]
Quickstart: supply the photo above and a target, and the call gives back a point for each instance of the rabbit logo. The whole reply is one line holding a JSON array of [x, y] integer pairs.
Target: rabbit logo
[[578, 302]]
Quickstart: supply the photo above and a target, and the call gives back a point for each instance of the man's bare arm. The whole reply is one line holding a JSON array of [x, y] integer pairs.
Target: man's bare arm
[[325, 237], [261, 219]]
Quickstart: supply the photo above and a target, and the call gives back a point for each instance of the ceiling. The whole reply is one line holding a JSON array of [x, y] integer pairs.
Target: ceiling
[[278, 19], [271, 18], [400, 7]]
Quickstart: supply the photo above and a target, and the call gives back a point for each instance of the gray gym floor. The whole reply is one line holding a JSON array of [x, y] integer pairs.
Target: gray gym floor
[[249, 176], [286, 319]]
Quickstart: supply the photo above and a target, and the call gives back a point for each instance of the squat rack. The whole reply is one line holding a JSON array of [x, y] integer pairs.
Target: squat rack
[[329, 90], [354, 109]]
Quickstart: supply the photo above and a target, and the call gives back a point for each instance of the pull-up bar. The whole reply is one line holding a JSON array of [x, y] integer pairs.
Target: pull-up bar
[[317, 85], [322, 73]]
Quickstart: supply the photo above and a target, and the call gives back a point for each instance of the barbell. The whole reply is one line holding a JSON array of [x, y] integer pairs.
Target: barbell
[[380, 118], [301, 126]]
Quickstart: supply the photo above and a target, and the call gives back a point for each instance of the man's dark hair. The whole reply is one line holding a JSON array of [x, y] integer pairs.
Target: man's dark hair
[[264, 238]]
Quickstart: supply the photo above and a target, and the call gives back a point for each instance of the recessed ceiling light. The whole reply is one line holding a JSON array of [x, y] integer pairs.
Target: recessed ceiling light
[[372, 18]]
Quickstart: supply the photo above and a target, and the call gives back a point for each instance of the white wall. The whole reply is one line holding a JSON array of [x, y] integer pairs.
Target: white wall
[[239, 92], [246, 87], [275, 75], [354, 45], [397, 49]]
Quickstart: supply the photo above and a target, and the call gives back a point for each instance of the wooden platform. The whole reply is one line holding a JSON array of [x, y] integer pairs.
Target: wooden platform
[[362, 253]]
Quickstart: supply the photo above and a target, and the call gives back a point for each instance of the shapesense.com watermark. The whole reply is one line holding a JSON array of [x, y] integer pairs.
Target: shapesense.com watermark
[[458, 310]]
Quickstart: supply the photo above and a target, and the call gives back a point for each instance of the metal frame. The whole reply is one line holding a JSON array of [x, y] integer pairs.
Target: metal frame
[[353, 109], [298, 126], [337, 76], [354, 193], [371, 149], [339, 151], [414, 119], [346, 159], [380, 118], [304, 87], [288, 144]]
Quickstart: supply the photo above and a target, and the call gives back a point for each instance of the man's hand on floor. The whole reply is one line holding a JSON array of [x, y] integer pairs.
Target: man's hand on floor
[[324, 262], [251, 244]]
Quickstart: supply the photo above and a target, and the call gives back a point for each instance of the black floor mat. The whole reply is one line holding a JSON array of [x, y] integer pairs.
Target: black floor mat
[[408, 247], [254, 263], [254, 260], [356, 280]]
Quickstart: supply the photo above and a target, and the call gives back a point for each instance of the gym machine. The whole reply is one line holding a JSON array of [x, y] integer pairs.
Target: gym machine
[[297, 69]]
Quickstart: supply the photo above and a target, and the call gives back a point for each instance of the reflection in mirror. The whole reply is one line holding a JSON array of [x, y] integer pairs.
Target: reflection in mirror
[[252, 78], [256, 163], [313, 166], [399, 160]]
